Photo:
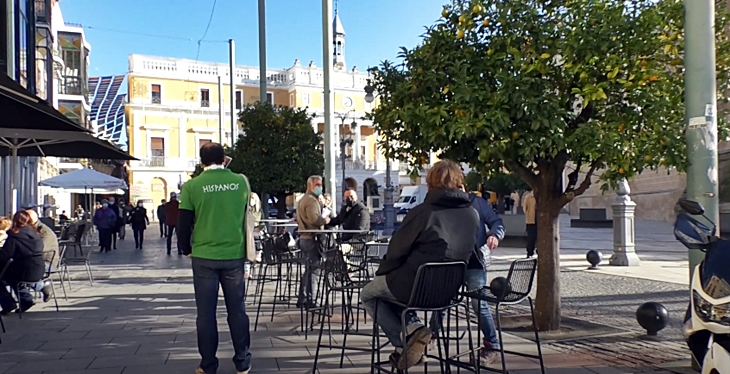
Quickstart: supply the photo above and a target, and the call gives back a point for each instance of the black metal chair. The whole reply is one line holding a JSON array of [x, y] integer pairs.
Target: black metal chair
[[78, 235], [520, 279], [272, 269], [2, 273], [74, 261], [436, 289], [32, 285], [337, 280]]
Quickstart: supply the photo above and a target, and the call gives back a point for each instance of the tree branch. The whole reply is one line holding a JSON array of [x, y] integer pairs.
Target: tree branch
[[523, 172], [570, 195]]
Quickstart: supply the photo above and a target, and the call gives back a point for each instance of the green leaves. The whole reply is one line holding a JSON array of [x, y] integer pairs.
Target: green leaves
[[278, 148], [534, 86]]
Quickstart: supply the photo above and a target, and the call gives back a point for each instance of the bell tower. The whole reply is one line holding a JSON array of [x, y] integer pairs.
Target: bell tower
[[338, 44]]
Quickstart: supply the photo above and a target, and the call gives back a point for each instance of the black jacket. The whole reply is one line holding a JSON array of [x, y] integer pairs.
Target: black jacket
[[161, 213], [26, 249], [357, 218], [138, 218], [443, 228]]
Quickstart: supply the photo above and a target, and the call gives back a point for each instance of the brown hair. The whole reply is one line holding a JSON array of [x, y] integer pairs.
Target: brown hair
[[21, 220], [445, 175], [5, 223]]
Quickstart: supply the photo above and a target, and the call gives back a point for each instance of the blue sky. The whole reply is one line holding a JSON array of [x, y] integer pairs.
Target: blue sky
[[375, 29]]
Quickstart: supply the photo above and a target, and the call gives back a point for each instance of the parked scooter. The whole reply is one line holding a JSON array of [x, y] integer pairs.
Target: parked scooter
[[707, 322]]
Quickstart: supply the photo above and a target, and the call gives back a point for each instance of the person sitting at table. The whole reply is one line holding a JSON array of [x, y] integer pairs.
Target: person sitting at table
[[443, 228], [51, 252], [310, 217], [63, 218], [5, 224], [354, 215], [25, 247]]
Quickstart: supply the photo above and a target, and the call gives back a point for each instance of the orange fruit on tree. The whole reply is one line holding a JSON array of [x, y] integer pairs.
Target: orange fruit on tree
[[621, 171], [515, 135], [620, 127]]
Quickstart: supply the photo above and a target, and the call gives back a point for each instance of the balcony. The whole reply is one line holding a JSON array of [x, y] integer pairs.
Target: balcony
[[42, 12], [361, 164], [72, 85], [163, 162]]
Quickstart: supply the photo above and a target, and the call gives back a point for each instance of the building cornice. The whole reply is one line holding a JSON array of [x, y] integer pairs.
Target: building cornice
[[208, 72]]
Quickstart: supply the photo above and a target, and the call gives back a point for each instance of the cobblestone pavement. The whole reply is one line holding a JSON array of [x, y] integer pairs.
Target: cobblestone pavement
[[613, 300], [139, 318]]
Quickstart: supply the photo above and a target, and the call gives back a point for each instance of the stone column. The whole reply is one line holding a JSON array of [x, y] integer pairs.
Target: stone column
[[182, 132], [624, 245], [356, 147]]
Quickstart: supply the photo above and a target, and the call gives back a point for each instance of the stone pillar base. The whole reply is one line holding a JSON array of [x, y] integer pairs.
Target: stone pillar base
[[624, 259]]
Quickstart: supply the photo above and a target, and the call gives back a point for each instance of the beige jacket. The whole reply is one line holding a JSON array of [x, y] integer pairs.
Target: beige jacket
[[309, 215], [529, 206]]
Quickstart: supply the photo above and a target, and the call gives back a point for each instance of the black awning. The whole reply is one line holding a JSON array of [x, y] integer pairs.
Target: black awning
[[22, 110], [58, 144]]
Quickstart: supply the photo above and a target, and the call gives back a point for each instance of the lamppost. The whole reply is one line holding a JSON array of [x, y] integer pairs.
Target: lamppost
[[345, 140], [388, 209]]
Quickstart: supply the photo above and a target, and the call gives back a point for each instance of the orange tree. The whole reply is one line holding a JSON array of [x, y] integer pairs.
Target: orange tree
[[531, 86]]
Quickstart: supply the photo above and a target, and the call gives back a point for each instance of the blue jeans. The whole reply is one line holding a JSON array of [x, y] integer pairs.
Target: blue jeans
[[208, 275], [476, 279], [377, 294]]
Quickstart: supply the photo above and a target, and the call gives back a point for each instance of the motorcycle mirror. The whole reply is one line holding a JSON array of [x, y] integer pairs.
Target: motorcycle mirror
[[692, 207]]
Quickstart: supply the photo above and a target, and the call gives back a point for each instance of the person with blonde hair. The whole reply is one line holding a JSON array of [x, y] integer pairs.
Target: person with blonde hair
[[443, 228], [5, 224]]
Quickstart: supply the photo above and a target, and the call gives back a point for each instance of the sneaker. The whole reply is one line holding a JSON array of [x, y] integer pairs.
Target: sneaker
[[488, 356], [245, 371], [395, 357], [415, 347], [46, 293]]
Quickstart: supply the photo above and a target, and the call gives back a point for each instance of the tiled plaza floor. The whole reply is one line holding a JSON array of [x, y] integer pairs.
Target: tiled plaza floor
[[139, 317]]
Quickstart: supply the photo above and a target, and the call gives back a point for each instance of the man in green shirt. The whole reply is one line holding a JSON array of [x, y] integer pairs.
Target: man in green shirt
[[211, 231]]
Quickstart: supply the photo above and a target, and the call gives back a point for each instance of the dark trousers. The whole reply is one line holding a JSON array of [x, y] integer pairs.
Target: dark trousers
[[7, 302], [308, 284], [138, 237], [531, 238], [105, 239], [208, 276], [170, 234], [163, 229], [115, 234]]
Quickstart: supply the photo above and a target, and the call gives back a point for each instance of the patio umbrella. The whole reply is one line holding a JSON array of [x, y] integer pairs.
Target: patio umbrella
[[84, 179], [23, 110]]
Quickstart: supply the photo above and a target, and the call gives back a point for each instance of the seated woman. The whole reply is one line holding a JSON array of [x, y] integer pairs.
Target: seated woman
[[25, 247], [442, 229], [5, 224]]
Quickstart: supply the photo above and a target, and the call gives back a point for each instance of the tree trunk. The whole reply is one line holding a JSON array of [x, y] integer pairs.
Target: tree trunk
[[547, 303], [281, 205]]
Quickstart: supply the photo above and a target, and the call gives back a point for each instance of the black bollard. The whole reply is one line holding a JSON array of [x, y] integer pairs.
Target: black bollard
[[653, 317], [594, 258]]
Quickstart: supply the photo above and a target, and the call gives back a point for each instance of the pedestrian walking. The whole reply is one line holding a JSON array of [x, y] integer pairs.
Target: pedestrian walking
[[139, 221], [114, 207], [105, 221], [213, 214], [161, 215], [172, 208], [124, 210], [530, 207]]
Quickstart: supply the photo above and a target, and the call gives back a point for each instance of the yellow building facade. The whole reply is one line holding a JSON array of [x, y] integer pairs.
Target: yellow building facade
[[173, 109]]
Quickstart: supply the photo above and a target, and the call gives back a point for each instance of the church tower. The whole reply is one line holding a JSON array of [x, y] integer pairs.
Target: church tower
[[338, 33]]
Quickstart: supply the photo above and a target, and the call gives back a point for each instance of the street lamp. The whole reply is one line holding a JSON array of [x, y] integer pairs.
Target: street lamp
[[388, 209], [345, 140]]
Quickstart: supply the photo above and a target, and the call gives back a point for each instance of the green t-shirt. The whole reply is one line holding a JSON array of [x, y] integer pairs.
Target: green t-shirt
[[219, 198]]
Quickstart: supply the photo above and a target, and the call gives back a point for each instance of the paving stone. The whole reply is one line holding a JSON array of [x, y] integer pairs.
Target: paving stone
[[39, 366]]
